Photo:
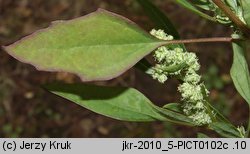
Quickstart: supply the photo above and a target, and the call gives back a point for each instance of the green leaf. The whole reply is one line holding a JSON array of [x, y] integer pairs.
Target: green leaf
[[190, 7], [159, 18], [175, 117], [225, 129], [202, 4], [246, 10], [240, 72], [233, 4], [126, 104], [119, 103], [173, 107], [99, 46], [201, 135]]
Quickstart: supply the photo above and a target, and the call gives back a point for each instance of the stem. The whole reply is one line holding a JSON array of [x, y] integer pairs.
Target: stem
[[202, 40], [231, 15]]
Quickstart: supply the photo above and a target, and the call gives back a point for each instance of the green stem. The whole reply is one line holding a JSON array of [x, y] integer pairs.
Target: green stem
[[203, 40]]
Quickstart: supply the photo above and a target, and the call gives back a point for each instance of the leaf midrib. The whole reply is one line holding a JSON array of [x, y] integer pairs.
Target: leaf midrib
[[102, 45]]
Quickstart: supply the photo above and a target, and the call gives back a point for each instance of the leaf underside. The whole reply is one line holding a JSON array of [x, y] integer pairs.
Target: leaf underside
[[240, 71], [225, 129], [98, 46]]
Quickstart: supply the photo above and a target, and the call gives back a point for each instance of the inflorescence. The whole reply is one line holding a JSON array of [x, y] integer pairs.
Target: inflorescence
[[173, 61]]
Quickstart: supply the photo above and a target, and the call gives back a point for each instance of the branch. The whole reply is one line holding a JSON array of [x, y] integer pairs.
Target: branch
[[231, 15], [203, 40]]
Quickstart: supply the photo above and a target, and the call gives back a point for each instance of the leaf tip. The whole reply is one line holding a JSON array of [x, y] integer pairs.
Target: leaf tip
[[4, 48], [7, 49]]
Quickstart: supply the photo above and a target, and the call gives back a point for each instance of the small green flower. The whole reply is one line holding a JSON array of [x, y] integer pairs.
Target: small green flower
[[190, 92], [199, 106], [190, 107], [170, 63], [160, 54], [201, 118], [192, 77], [160, 34], [158, 74]]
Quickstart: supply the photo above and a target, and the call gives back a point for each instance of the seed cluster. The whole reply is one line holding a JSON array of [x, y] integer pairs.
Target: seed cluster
[[172, 61]]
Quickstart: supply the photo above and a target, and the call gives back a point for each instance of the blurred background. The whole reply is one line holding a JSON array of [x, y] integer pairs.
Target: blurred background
[[26, 110]]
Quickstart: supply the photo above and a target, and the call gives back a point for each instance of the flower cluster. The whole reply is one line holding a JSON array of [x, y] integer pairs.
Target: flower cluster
[[173, 61], [160, 34]]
